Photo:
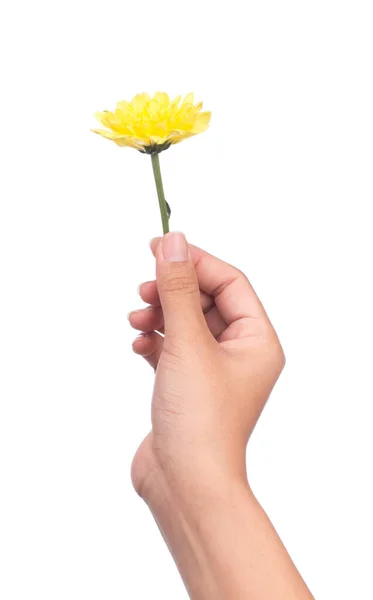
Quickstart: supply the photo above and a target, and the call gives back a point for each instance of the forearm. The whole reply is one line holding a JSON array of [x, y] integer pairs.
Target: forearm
[[224, 544]]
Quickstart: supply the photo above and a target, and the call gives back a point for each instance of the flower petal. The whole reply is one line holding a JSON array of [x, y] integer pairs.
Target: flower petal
[[140, 101], [120, 140], [124, 106], [162, 99], [202, 122], [127, 141], [175, 102], [189, 99], [110, 120], [110, 135], [153, 121]]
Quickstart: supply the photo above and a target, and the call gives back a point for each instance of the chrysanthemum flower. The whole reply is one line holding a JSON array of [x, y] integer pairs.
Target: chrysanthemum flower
[[151, 125]]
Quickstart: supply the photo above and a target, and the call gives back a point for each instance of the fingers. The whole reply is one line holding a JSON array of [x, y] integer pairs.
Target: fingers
[[230, 289], [151, 318], [149, 346], [178, 289], [226, 296], [148, 292], [215, 322], [147, 319]]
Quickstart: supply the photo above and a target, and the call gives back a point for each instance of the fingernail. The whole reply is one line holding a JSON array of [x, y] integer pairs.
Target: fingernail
[[175, 247], [132, 312], [139, 310], [154, 240]]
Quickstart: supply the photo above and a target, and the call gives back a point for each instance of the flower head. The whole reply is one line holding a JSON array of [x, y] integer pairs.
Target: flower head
[[152, 124]]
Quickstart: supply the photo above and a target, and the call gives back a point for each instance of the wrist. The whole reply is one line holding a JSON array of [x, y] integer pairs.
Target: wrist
[[189, 492], [221, 539], [205, 477], [200, 523]]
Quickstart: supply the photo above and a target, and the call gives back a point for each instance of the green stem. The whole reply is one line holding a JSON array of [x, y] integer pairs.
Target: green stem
[[161, 198]]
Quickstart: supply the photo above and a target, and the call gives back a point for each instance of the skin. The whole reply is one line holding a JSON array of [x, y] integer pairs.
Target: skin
[[216, 357]]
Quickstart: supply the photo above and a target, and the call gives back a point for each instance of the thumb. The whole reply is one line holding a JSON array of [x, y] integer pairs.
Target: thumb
[[178, 288]]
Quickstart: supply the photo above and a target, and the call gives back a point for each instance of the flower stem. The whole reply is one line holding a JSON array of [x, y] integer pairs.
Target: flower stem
[[161, 198]]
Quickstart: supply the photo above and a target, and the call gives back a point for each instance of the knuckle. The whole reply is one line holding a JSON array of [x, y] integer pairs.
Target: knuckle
[[281, 358], [240, 274], [180, 284], [273, 351], [277, 355], [236, 275]]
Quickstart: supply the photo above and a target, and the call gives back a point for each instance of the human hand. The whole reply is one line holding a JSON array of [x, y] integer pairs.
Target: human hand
[[215, 367]]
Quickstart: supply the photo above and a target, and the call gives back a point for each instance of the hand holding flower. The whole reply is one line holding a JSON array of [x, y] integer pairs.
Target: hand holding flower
[[215, 367], [217, 358]]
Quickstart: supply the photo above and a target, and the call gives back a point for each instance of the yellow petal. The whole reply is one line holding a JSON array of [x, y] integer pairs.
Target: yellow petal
[[162, 99], [179, 137], [175, 102], [153, 120], [109, 120], [103, 118], [154, 108], [139, 102], [183, 112], [189, 98], [127, 141], [202, 122], [121, 140], [124, 106], [155, 139], [110, 135]]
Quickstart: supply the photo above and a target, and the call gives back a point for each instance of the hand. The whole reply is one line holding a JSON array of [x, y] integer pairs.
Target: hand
[[215, 367]]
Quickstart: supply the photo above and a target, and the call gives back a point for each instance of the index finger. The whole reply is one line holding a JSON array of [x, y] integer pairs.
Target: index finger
[[232, 292]]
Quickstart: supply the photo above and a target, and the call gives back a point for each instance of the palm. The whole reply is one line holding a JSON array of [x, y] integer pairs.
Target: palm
[[233, 315]]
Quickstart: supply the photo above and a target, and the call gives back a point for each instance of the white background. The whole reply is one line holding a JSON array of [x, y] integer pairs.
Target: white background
[[280, 185]]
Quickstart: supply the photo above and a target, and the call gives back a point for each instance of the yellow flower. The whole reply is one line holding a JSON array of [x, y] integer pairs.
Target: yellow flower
[[152, 124]]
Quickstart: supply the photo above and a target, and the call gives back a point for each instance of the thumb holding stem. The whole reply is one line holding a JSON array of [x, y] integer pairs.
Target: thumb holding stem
[[178, 290]]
